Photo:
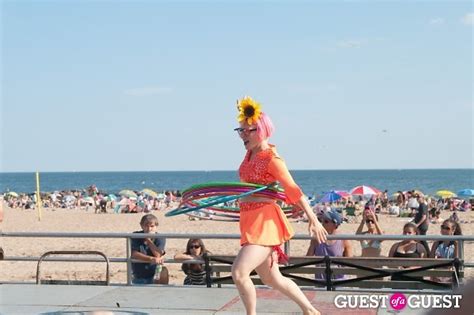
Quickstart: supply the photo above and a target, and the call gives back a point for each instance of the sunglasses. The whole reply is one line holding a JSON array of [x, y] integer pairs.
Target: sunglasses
[[369, 221], [445, 227], [242, 131], [195, 246]]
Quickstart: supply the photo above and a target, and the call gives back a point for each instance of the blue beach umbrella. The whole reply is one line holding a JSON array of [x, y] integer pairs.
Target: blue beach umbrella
[[466, 193], [330, 197]]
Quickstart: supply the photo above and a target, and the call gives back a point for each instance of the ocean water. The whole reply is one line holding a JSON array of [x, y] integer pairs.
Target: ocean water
[[311, 181]]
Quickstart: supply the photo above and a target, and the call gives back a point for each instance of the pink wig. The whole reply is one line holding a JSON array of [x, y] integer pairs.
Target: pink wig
[[265, 126]]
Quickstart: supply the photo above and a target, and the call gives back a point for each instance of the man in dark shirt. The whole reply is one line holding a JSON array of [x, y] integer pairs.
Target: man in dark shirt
[[421, 218], [150, 250]]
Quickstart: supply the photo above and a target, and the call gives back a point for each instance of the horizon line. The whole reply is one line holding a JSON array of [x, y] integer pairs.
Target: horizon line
[[235, 170]]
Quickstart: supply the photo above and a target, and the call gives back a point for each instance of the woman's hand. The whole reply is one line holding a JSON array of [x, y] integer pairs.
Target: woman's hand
[[317, 231]]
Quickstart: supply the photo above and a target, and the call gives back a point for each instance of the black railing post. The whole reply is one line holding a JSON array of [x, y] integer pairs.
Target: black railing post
[[327, 261], [207, 267]]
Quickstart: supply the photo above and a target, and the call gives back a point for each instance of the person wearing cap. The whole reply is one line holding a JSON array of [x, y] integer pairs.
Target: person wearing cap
[[333, 248]]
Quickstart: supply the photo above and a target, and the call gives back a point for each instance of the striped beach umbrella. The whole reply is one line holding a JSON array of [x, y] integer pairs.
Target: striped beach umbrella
[[364, 191], [128, 193], [150, 192]]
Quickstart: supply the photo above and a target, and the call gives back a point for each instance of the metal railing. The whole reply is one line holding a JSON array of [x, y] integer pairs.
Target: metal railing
[[287, 246]]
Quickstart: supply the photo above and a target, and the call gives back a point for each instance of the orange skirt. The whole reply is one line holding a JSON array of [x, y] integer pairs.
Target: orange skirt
[[263, 223]]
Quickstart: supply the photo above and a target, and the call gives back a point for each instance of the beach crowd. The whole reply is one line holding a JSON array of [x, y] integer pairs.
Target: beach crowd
[[421, 210]]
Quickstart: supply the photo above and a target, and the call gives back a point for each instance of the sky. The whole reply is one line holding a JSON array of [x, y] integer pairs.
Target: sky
[[152, 85]]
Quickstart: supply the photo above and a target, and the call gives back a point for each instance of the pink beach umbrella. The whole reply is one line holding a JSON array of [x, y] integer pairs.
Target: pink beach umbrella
[[365, 191]]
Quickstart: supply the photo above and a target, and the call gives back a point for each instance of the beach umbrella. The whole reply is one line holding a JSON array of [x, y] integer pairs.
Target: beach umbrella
[[344, 194], [466, 193], [150, 192], [12, 194], [445, 194], [128, 193], [330, 197], [364, 191]]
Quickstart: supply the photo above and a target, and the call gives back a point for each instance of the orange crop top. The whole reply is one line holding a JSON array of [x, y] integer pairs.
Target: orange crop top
[[267, 167]]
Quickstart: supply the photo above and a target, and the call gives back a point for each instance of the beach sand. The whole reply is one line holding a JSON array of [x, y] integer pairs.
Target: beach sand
[[63, 220]]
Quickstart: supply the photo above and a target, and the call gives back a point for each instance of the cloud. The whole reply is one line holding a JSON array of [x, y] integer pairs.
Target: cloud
[[148, 90], [468, 19], [437, 21], [351, 43]]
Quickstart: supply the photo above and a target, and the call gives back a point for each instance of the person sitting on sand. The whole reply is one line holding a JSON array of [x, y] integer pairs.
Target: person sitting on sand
[[195, 273], [370, 248], [151, 251]]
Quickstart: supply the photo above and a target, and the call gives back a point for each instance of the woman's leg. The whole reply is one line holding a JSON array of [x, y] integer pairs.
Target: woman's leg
[[249, 257], [270, 275]]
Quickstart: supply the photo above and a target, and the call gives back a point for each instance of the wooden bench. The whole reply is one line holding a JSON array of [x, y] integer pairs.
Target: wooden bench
[[359, 272]]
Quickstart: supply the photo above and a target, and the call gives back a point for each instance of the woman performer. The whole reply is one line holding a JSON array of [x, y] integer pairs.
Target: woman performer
[[263, 225]]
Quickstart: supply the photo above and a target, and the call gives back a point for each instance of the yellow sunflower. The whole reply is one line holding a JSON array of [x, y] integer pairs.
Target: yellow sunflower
[[249, 110]]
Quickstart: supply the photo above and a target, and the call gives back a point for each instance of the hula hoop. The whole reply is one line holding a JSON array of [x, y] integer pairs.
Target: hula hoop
[[196, 192], [205, 196]]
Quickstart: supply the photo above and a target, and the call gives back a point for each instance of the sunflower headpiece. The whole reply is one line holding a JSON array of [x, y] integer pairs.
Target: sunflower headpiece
[[249, 110]]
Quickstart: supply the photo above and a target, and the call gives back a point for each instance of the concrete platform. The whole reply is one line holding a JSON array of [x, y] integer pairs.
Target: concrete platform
[[174, 300]]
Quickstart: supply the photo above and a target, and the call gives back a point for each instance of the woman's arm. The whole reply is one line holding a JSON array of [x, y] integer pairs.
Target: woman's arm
[[347, 249], [361, 225], [422, 250], [278, 169], [377, 226], [392, 250]]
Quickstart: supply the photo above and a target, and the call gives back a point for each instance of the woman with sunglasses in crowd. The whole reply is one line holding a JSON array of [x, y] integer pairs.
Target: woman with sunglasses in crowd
[[263, 225], [195, 272], [370, 248], [447, 249]]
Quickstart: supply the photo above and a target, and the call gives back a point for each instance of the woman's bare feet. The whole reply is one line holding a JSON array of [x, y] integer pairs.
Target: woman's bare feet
[[312, 312]]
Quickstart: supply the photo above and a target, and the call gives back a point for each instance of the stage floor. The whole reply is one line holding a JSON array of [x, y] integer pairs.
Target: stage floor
[[174, 300]]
